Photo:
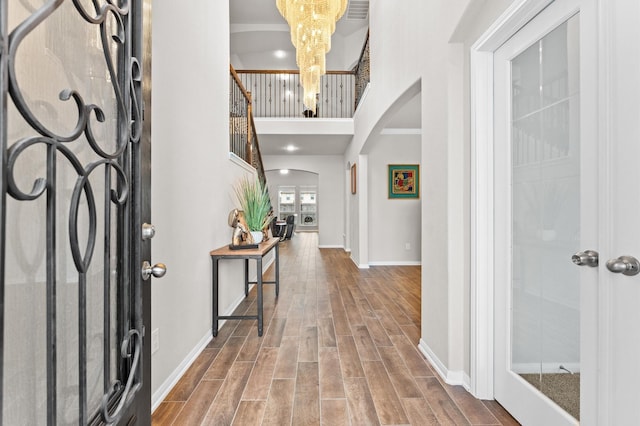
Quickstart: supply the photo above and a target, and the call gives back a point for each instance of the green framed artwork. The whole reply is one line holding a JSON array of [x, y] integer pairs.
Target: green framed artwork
[[404, 181]]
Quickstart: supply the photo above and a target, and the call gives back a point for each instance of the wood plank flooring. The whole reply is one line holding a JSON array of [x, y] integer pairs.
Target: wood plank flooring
[[339, 348]]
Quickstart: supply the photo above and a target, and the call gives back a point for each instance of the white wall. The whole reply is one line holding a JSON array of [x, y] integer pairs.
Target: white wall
[[353, 43], [351, 221], [191, 180], [361, 226], [420, 56], [407, 59], [393, 223], [330, 170], [476, 19], [345, 50]]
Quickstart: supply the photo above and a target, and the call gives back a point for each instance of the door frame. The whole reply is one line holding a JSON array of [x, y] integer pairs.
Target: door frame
[[482, 190], [482, 199], [142, 50]]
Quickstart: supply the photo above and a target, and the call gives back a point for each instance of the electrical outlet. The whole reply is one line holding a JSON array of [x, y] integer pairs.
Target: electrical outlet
[[155, 341], [407, 246]]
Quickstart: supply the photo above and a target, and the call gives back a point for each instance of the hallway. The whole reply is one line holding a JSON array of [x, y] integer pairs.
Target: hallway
[[339, 348]]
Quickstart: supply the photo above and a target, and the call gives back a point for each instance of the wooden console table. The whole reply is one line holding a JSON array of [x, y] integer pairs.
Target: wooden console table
[[246, 254]]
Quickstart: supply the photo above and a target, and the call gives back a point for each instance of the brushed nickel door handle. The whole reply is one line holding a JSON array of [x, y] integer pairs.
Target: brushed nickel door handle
[[586, 258], [626, 265]]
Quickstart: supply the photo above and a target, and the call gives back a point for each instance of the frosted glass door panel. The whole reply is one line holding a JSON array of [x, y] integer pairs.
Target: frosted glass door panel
[[545, 194]]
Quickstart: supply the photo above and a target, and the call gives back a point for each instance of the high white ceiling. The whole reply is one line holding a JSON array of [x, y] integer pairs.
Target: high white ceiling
[[258, 31]]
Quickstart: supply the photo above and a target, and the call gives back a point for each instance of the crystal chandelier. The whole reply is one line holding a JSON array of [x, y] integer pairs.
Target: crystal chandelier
[[312, 23]]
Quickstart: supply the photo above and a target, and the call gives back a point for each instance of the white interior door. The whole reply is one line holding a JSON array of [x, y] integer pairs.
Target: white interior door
[[567, 145], [540, 161]]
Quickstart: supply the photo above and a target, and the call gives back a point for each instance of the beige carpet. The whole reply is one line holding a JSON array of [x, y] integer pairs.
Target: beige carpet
[[562, 388]]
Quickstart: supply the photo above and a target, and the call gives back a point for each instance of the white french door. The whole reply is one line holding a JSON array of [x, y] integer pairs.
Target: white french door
[[567, 204], [540, 157]]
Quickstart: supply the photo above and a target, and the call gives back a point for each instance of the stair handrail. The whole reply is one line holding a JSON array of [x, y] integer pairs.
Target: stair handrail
[[362, 72], [251, 153]]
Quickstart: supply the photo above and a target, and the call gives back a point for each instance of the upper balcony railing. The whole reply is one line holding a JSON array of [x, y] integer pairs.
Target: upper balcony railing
[[277, 93]]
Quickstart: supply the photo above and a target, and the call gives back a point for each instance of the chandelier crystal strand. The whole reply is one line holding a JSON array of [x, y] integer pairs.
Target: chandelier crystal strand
[[312, 22]]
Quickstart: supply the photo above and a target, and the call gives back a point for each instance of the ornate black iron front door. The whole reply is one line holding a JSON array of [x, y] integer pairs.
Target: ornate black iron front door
[[74, 197]]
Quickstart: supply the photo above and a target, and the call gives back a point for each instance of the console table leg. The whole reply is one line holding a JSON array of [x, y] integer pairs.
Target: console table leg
[[214, 329], [246, 277], [259, 284], [277, 269]]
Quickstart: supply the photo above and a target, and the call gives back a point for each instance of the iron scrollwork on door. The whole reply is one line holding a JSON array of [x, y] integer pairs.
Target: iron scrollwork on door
[[45, 144]]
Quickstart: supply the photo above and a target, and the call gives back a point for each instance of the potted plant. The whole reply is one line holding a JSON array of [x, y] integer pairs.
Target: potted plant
[[253, 198]]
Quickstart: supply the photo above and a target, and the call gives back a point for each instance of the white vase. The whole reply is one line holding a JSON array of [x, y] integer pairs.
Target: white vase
[[257, 236]]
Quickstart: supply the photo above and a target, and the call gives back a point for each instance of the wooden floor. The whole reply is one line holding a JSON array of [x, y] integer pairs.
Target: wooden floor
[[339, 348]]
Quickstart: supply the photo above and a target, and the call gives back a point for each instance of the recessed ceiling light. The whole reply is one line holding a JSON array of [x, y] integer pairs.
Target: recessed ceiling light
[[280, 54], [291, 148], [284, 171]]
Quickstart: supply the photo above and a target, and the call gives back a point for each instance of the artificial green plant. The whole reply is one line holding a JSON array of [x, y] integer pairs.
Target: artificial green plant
[[253, 198]]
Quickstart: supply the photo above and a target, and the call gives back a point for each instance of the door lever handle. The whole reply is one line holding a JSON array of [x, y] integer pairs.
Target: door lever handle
[[626, 265], [586, 258]]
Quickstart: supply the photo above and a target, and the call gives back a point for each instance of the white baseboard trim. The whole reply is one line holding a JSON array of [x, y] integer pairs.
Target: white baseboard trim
[[450, 377], [466, 382], [331, 246], [396, 263], [161, 393], [360, 266]]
